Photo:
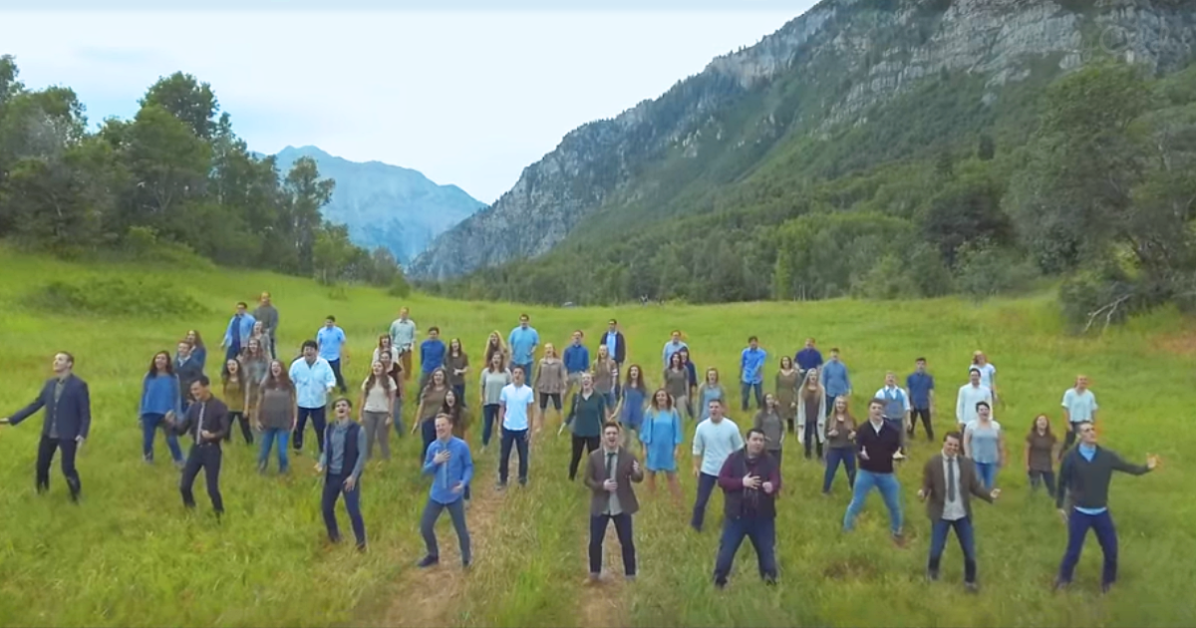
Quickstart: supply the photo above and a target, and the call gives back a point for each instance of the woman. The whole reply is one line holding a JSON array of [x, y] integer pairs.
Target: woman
[[550, 381], [392, 367], [255, 363], [493, 379], [840, 444], [988, 372], [606, 373], [263, 339], [788, 379], [430, 401], [692, 369], [454, 408], [383, 345], [232, 380], [496, 345], [341, 463], [632, 397], [662, 436], [1040, 450], [587, 414], [377, 409], [769, 421], [710, 390], [198, 351], [676, 383], [160, 397], [811, 413], [276, 416], [984, 443], [457, 364]]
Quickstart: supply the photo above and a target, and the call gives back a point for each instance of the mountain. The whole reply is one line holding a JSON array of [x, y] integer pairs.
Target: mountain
[[845, 91], [384, 205]]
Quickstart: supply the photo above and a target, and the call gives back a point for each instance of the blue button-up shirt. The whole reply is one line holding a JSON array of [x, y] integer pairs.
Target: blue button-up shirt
[[751, 361], [808, 359], [239, 327], [670, 348], [577, 358], [459, 468], [312, 382], [330, 340], [835, 379], [523, 342], [920, 385]]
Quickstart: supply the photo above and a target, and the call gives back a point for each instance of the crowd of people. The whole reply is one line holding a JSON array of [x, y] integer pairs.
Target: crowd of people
[[628, 430]]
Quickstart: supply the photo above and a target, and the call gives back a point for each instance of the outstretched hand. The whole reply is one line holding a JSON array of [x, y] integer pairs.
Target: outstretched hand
[[996, 492], [1152, 461]]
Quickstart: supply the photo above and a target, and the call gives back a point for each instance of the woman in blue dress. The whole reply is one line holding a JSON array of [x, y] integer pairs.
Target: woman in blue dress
[[661, 434], [632, 397], [710, 390]]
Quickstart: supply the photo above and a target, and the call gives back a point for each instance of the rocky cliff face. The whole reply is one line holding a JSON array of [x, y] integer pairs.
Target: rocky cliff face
[[847, 55]]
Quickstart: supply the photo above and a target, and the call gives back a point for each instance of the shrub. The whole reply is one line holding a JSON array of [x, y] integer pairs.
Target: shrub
[[984, 271], [116, 297], [399, 287]]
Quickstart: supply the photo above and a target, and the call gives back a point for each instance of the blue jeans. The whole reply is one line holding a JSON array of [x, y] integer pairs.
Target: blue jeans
[[334, 487], [459, 391], [318, 423], [706, 484], [149, 427], [746, 387], [398, 415], [987, 471], [835, 455], [890, 491], [762, 531], [967, 543], [336, 371], [269, 435], [1078, 524], [427, 430], [489, 414], [427, 526], [518, 439]]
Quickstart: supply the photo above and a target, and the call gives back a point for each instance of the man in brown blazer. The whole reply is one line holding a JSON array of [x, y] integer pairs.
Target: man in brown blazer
[[609, 474], [948, 481]]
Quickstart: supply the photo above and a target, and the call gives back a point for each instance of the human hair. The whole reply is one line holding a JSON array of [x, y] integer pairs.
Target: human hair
[[953, 434], [198, 339], [283, 380], [70, 359], [447, 417], [333, 319], [982, 403], [345, 400], [454, 411], [753, 339], [227, 375], [834, 349], [974, 370], [638, 381], [153, 369], [310, 343], [373, 378], [434, 328], [668, 400], [755, 430], [786, 359], [460, 350], [609, 425], [919, 360], [675, 361], [876, 401], [383, 338], [1034, 424], [432, 378], [242, 304], [518, 369], [202, 380]]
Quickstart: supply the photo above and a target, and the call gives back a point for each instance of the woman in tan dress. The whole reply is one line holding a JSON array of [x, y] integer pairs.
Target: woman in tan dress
[[550, 381], [788, 379]]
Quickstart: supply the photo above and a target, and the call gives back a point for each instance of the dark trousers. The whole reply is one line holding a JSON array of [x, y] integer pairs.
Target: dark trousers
[[427, 431], [334, 487], [762, 531], [1043, 477], [626, 542], [459, 391], [924, 413], [776, 454], [1078, 524], [239, 417], [427, 527], [834, 456], [149, 428], [590, 443], [336, 371], [745, 388], [1070, 439], [489, 415], [810, 437], [518, 438], [706, 484], [45, 455], [967, 543], [318, 423], [233, 351], [208, 458]]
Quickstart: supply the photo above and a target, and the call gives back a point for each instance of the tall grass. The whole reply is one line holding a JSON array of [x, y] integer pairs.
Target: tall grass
[[130, 555]]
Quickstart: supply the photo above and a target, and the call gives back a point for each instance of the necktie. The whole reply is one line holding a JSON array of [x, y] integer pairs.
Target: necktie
[[610, 466], [951, 479]]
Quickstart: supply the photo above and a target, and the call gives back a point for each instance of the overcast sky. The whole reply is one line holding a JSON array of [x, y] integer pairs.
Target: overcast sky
[[466, 97]]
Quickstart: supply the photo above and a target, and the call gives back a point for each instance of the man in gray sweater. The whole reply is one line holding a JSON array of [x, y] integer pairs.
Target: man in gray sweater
[[268, 315]]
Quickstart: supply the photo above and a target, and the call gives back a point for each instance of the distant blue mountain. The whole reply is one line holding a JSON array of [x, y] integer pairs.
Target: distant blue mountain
[[385, 205]]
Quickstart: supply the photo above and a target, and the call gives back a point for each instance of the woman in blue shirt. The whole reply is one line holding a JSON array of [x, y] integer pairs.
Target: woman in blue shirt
[[632, 398], [662, 436], [198, 351], [160, 396], [984, 443]]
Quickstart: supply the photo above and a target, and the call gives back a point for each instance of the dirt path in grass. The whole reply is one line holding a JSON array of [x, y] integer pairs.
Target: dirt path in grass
[[602, 603]]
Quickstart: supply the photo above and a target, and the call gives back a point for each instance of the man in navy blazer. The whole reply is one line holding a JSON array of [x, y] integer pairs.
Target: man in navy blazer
[[67, 422]]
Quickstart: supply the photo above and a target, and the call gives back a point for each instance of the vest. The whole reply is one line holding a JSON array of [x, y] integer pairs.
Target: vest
[[351, 453], [894, 406]]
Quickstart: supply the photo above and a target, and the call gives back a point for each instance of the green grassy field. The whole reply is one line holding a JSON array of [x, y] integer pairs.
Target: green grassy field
[[129, 555]]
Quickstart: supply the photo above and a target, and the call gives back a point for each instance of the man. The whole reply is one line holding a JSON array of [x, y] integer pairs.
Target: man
[[609, 474], [1079, 406], [330, 340], [431, 356], [969, 395], [835, 380], [616, 346], [515, 405], [896, 411], [751, 372], [1085, 474], [948, 480], [750, 479], [523, 341], [714, 439], [207, 423], [188, 369], [673, 346], [314, 380], [577, 361], [402, 338], [240, 328], [268, 315], [808, 358], [877, 442], [67, 422], [920, 385], [449, 460]]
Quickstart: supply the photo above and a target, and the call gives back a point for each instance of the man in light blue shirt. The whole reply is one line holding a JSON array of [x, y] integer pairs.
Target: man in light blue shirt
[[523, 342], [714, 440], [314, 380], [751, 372], [240, 327], [835, 380], [330, 340], [451, 464], [1079, 406], [673, 346], [577, 361]]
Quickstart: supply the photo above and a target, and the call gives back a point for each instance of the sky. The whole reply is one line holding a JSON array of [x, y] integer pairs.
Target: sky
[[467, 96]]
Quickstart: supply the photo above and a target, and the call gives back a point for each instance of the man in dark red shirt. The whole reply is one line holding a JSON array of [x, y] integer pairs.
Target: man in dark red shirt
[[750, 479]]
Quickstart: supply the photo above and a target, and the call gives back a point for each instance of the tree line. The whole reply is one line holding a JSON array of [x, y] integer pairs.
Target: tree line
[[175, 177]]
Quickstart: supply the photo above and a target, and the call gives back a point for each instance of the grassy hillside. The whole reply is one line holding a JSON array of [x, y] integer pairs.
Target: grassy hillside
[[130, 556]]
